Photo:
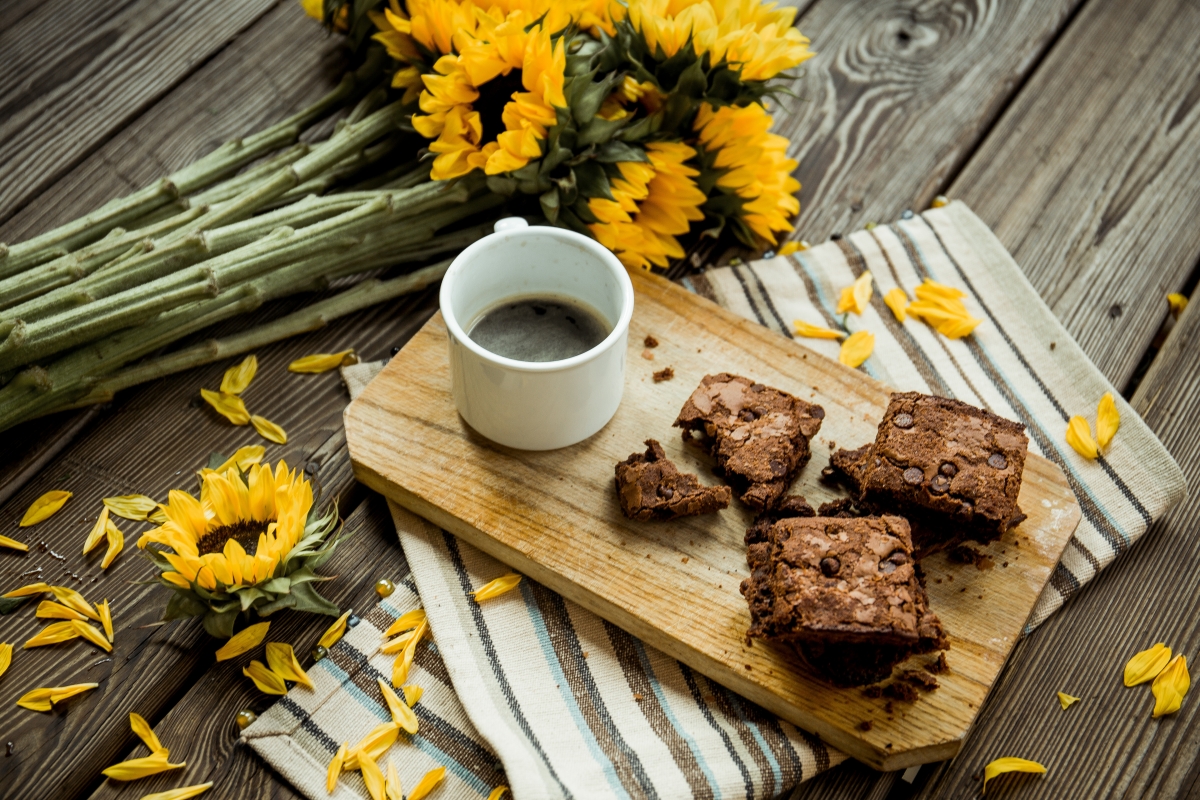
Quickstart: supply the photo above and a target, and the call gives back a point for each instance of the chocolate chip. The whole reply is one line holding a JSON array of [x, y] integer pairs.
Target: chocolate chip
[[914, 475], [666, 492], [818, 412], [997, 461], [966, 510], [898, 557], [940, 484], [902, 420], [757, 387], [830, 566], [777, 468], [748, 415], [948, 469]]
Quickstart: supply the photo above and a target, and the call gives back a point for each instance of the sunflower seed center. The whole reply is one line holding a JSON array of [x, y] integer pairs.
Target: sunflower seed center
[[244, 531]]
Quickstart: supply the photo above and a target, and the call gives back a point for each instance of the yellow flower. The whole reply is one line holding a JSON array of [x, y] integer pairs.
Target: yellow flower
[[146, 733], [268, 430], [402, 713], [229, 406], [97, 533], [243, 458], [116, 543], [1177, 303], [1170, 686], [412, 694], [405, 622], [266, 680], [5, 657], [243, 641], [372, 776], [238, 377], [92, 635], [54, 633], [1107, 420], [321, 362], [494, 588], [131, 506], [531, 113], [394, 790], [48, 609], [182, 793], [810, 331], [1066, 700], [857, 296], [106, 618], [44, 507], [28, 589], [427, 783], [1079, 436], [857, 348], [1003, 765], [44, 699], [335, 768], [137, 768], [283, 663], [73, 599], [897, 301], [659, 202], [334, 632], [1147, 664], [13, 544], [374, 744]]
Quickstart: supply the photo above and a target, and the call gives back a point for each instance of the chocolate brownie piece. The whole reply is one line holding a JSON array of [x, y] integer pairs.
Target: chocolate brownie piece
[[950, 467], [650, 487], [758, 435], [793, 505]]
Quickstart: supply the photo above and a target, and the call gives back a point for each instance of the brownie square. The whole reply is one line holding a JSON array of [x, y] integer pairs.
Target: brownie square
[[758, 435], [953, 469], [650, 487]]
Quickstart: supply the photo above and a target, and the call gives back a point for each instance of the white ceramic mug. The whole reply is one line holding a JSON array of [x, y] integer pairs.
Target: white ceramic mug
[[536, 405]]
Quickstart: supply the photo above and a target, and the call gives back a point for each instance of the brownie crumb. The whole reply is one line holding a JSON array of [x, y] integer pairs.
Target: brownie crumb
[[904, 692], [889, 708], [648, 354], [637, 697], [650, 341], [939, 666], [664, 374], [650, 487], [866, 725], [873, 692], [920, 679], [842, 509]]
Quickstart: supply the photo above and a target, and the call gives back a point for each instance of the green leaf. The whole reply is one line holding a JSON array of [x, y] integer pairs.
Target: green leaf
[[692, 81], [600, 130], [183, 604], [287, 601], [502, 185], [248, 595], [567, 189], [220, 625], [549, 203], [215, 460], [592, 181], [307, 599], [279, 585], [615, 151], [642, 128], [569, 219], [11, 604]]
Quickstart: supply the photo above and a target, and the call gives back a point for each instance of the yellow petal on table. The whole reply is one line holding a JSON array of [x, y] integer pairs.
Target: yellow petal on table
[[48, 609], [320, 362], [268, 430], [44, 699], [397, 644], [1003, 765], [1177, 303], [402, 714], [412, 694], [1108, 419], [243, 458], [28, 589], [497, 587], [787, 248], [857, 296], [335, 769], [1146, 665], [1079, 436], [106, 618], [334, 632], [69, 597], [136, 768], [372, 776], [958, 327], [857, 348], [930, 289], [1170, 686], [5, 657], [54, 633], [92, 635], [13, 544], [44, 507], [116, 543], [131, 506], [1066, 700], [426, 784], [266, 680], [243, 641], [238, 377], [182, 793], [497, 793], [394, 790], [403, 662], [229, 406], [406, 622], [146, 733], [282, 660], [374, 744], [157, 516], [897, 301], [809, 331], [96, 536]]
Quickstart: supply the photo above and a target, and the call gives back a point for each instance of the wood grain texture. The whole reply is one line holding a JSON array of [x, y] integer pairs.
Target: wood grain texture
[[200, 726], [1089, 178], [898, 96], [106, 66], [407, 441]]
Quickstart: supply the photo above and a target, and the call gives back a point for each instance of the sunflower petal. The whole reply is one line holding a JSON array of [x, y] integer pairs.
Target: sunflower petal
[[44, 507], [405, 622], [412, 694], [283, 662], [73, 599], [897, 301], [131, 506], [1003, 765], [1170, 686], [92, 635], [13, 544], [1177, 303], [321, 362], [857, 349], [372, 777], [106, 618], [182, 793], [54, 633], [268, 430], [1107, 420], [1147, 664], [1079, 436], [785, 249], [238, 377], [243, 641], [497, 793], [116, 543], [145, 733], [334, 632], [230, 406], [243, 458], [402, 714], [403, 662], [27, 590], [374, 744], [44, 699], [497, 587], [335, 769], [136, 768], [5, 657], [810, 331], [266, 680], [48, 609], [427, 783], [1066, 700], [394, 790]]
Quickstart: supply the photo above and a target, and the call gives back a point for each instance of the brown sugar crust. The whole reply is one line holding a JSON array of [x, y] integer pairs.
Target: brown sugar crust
[[650, 487], [758, 435]]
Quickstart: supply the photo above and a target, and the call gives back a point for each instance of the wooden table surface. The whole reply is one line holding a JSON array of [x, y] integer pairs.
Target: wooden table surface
[[1072, 127]]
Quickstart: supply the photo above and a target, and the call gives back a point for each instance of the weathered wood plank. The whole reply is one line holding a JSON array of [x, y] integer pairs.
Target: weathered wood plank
[[200, 726], [1089, 177], [87, 72]]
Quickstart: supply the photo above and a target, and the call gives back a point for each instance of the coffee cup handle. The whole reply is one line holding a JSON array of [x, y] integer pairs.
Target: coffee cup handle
[[510, 224]]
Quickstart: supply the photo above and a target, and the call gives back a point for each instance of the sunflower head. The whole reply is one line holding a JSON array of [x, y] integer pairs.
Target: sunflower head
[[249, 543]]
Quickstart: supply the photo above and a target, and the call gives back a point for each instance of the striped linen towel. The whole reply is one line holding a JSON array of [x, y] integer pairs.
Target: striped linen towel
[[573, 707]]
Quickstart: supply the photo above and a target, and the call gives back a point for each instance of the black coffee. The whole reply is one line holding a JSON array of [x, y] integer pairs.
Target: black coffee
[[539, 328]]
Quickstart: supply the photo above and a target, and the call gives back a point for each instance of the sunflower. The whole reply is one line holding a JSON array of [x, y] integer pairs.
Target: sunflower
[[752, 163], [652, 204], [246, 543]]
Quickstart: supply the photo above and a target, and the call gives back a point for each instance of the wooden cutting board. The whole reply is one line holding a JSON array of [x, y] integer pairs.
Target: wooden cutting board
[[554, 517]]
